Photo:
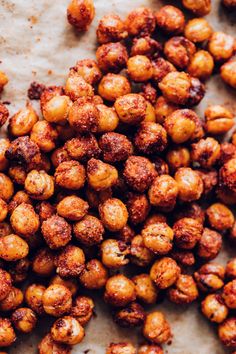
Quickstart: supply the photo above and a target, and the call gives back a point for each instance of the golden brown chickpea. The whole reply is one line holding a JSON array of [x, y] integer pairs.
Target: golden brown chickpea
[[163, 192], [49, 346], [150, 138], [112, 57], [163, 109], [198, 30], [131, 108], [56, 110], [12, 301], [60, 155], [115, 147], [80, 14], [164, 272], [43, 262], [161, 67], [19, 270], [150, 349], [139, 254], [228, 175], [187, 232], [6, 187], [126, 234], [70, 175], [33, 297], [184, 291], [67, 330], [201, 65], [39, 185], [13, 248], [44, 135], [76, 87], [70, 284], [139, 173], [220, 217], [107, 119], [230, 269], [5, 284], [154, 218], [119, 291], [133, 315], [140, 22], [210, 277], [221, 46], [82, 309], [89, 70], [56, 232], [228, 72], [206, 152], [24, 220], [57, 300], [72, 208], [121, 348], [101, 175], [111, 29], [229, 294], [113, 86], [70, 262], [19, 198], [183, 257], [175, 87], [83, 147], [158, 238], [94, 276], [209, 179], [150, 115], [83, 116], [17, 174], [139, 68], [7, 334], [89, 231], [218, 119], [209, 245], [191, 210], [4, 113], [114, 253], [3, 80], [189, 183], [45, 210], [24, 319], [3, 210], [145, 289], [138, 207], [114, 214], [156, 328], [23, 121], [170, 19], [200, 7], [227, 332], [214, 309], [4, 145], [179, 51], [145, 46], [177, 157]]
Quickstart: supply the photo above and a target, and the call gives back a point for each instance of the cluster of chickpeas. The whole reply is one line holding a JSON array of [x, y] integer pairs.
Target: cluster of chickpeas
[[117, 173]]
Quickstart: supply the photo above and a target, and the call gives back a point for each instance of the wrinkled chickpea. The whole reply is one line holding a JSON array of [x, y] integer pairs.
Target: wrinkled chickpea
[[19, 198], [140, 22], [39, 185], [70, 262], [187, 233], [119, 291], [83, 116], [158, 238], [45, 210], [115, 147], [170, 19], [210, 277], [77, 88], [163, 192], [218, 119], [164, 272], [177, 157], [229, 294], [82, 309], [139, 68], [112, 57], [67, 330], [150, 138], [140, 255], [101, 176], [49, 346], [12, 301], [184, 291], [198, 30], [94, 276], [89, 70], [200, 7], [7, 334], [228, 72], [111, 29], [145, 46], [13, 248], [70, 284], [72, 208], [80, 14], [113, 86], [56, 231], [82, 148], [230, 270], [161, 67], [175, 87], [219, 217], [179, 51], [209, 245], [24, 220], [89, 231], [189, 183], [138, 207], [131, 108], [201, 65], [43, 263], [163, 109], [227, 332], [33, 297], [206, 152], [150, 349], [24, 319], [114, 253], [70, 175], [114, 214], [57, 300], [221, 46], [156, 328], [17, 174], [133, 315], [121, 348], [214, 309], [145, 289]]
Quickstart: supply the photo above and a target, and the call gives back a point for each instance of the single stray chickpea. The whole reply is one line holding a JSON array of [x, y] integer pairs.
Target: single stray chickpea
[[13, 248], [82, 309], [156, 328], [220, 217], [119, 291], [170, 19], [111, 29], [218, 119], [3, 80], [164, 272], [24, 319], [197, 30], [7, 334], [67, 330], [49, 346], [57, 300], [80, 14], [214, 309], [114, 214]]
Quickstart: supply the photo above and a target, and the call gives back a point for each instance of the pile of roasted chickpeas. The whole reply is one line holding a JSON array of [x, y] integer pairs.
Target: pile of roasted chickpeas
[[121, 170]]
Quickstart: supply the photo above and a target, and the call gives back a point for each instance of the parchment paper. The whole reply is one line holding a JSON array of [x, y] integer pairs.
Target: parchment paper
[[36, 43]]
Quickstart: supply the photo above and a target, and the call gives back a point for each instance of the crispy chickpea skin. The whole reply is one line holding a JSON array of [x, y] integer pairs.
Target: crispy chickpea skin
[[70, 284], [150, 349], [206, 152], [175, 87], [131, 108], [119, 291], [107, 118], [179, 51], [161, 166], [115, 147], [229, 294], [7, 334], [184, 291], [77, 88], [83, 116], [201, 65], [70, 175], [140, 22], [82, 309], [200, 7], [19, 198], [111, 29], [150, 138], [130, 316], [70, 262], [197, 30], [94, 276], [80, 14], [138, 207], [89, 70], [57, 300], [163, 192], [12, 301], [228, 175], [101, 175], [24, 220], [39, 185], [178, 156], [33, 297], [111, 57], [72, 208], [228, 72], [220, 217], [4, 113], [145, 288], [210, 277], [163, 109], [156, 328], [56, 110], [214, 309], [139, 254], [164, 272], [23, 121], [139, 68], [183, 257], [43, 262], [114, 214], [44, 135], [24, 319], [209, 245], [49, 346], [158, 238], [113, 86], [67, 330], [230, 270], [161, 67], [121, 348], [145, 46], [45, 210], [227, 332], [13, 248], [218, 120], [187, 233], [3, 210], [83, 147], [5, 284], [6, 187], [56, 232], [189, 183], [89, 231], [17, 174], [4, 145], [170, 19], [221, 46], [114, 253]]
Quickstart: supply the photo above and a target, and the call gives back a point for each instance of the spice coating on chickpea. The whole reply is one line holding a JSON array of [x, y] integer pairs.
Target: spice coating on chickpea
[[201, 65], [83, 116], [228, 72], [175, 87], [220, 217], [5, 284], [111, 29], [56, 232], [89, 231], [156, 328], [4, 113], [214, 309], [113, 86], [67, 330], [43, 262], [158, 238], [114, 253], [6, 187], [219, 119], [131, 108], [189, 183], [7, 334], [70, 262], [24, 220], [133, 315], [33, 297], [200, 7], [101, 175], [140, 255], [227, 332], [12, 301], [164, 272], [145, 46], [23, 121], [163, 109], [229, 294], [187, 232], [145, 289], [112, 57], [210, 277], [119, 291], [72, 208], [57, 300], [13, 248], [197, 30], [89, 70], [150, 349], [209, 245], [163, 192], [114, 214], [139, 68], [177, 157], [161, 67], [206, 152], [230, 269], [70, 175], [39, 185], [184, 290], [49, 346], [80, 14], [170, 19], [150, 138], [221, 46], [3, 210], [82, 148], [121, 348], [115, 147], [82, 309], [140, 22], [24, 319], [94, 276], [77, 88], [138, 208], [179, 51]]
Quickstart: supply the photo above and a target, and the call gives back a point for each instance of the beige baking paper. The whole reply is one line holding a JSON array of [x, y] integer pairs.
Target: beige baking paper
[[37, 44]]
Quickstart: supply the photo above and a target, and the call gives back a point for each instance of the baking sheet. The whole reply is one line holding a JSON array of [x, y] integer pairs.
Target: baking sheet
[[37, 44]]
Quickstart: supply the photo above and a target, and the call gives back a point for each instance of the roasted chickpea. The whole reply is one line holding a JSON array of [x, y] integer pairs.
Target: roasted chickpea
[[220, 217], [231, 4], [57, 300], [214, 309], [39, 185], [230, 269], [43, 263], [210, 277], [111, 29], [12, 301], [183, 257], [218, 120], [6, 187], [154, 218], [72, 208], [19, 198], [164, 272], [83, 116], [150, 349], [119, 291], [33, 297], [209, 245], [177, 157], [158, 238], [5, 284], [227, 152], [7, 334], [206, 152], [115, 147], [140, 22], [3, 80], [70, 284], [226, 332], [133, 315], [145, 46], [161, 166], [101, 175], [200, 8], [187, 232], [156, 328], [111, 57], [170, 19], [114, 253], [56, 231], [82, 309], [145, 289], [19, 270], [24, 319], [179, 51], [209, 179], [94, 276], [197, 30], [23, 121], [150, 138], [138, 207], [189, 183], [221, 46], [228, 72], [44, 135], [13, 248], [228, 175], [83, 147], [150, 94], [161, 67], [24, 220], [67, 330], [113, 86], [89, 70], [131, 108], [89, 231], [175, 87], [163, 109], [3, 210], [191, 210], [4, 113], [70, 262], [201, 65], [139, 254], [126, 234], [56, 110], [45, 210], [60, 155], [196, 94], [114, 214], [4, 145], [184, 291], [17, 174], [139, 68], [77, 88], [139, 173], [70, 175], [121, 348], [163, 192], [80, 14], [107, 119], [49, 346], [229, 294]]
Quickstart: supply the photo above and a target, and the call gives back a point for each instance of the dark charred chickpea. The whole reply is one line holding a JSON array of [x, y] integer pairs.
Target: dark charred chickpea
[[150, 138], [145, 289], [76, 87], [57, 300], [187, 233], [158, 238], [94, 276], [145, 46], [163, 109], [80, 14], [228, 72], [43, 263], [139, 254], [33, 297], [39, 185], [164, 272], [214, 309], [70, 175], [70, 262], [24, 220], [115, 147], [121, 348], [179, 51], [218, 119], [126, 234], [67, 330], [210, 277], [89, 70], [101, 175], [150, 349], [227, 332], [7, 334], [209, 245], [131, 108], [175, 87], [3, 210], [114, 253], [220, 217], [13, 248], [229, 294], [83, 147], [221, 46], [23, 121], [149, 93], [139, 173], [45, 210], [83, 116], [183, 257], [89, 231], [56, 110], [189, 183], [56, 232], [177, 157], [201, 65], [19, 270], [24, 319], [70, 284], [230, 270], [111, 29], [139, 68], [206, 152], [156, 328], [170, 19], [82, 309], [113, 86], [72, 208], [6, 187], [114, 214], [197, 30], [17, 174], [161, 67], [119, 291], [163, 192], [161, 166], [12, 301], [138, 207], [107, 119], [112, 57], [184, 291], [49, 346], [200, 7], [196, 94], [130, 316], [191, 210], [140, 22]]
